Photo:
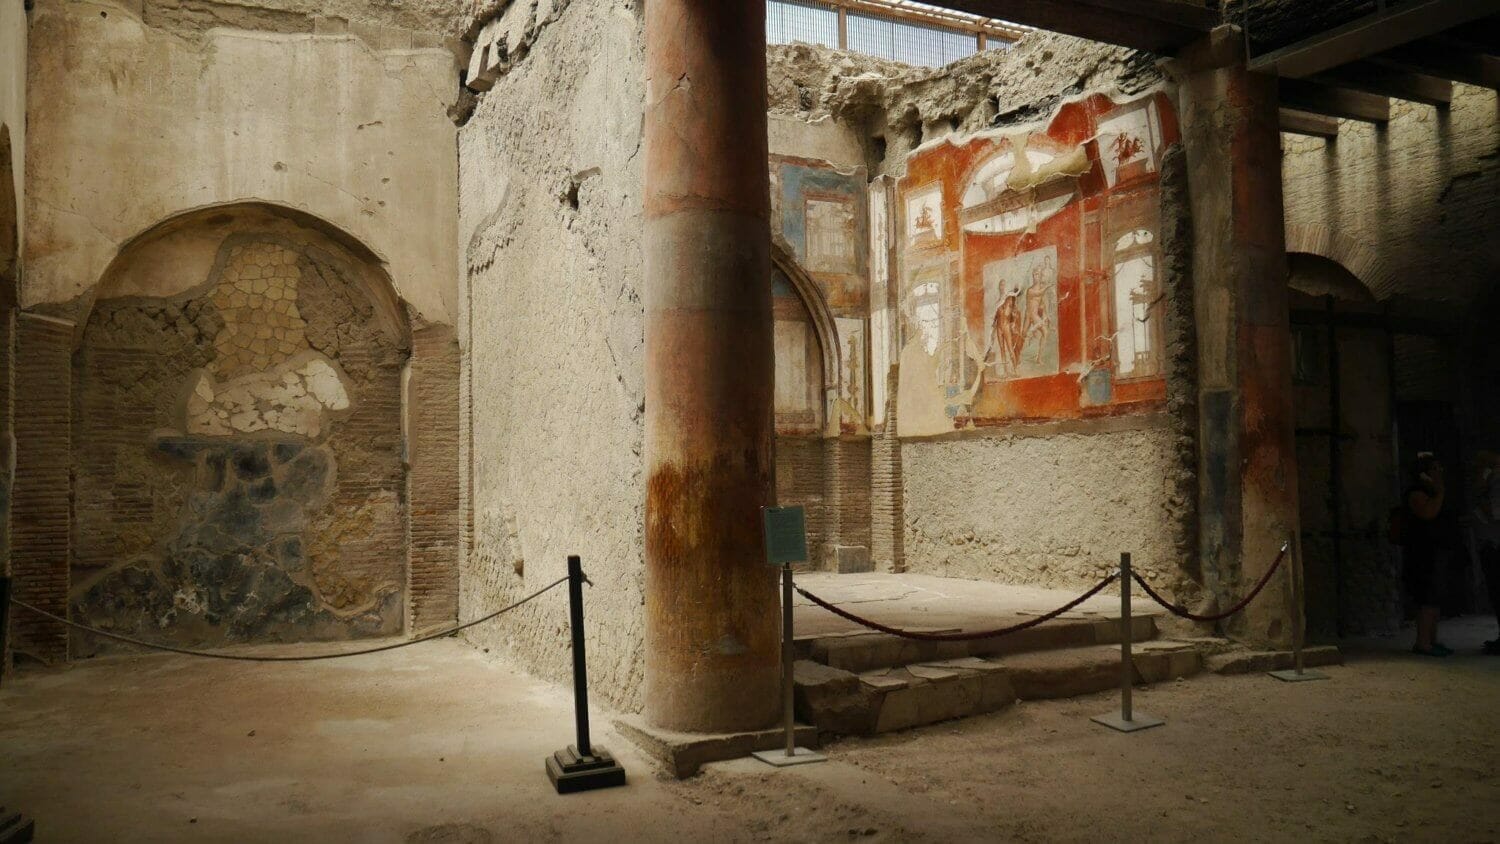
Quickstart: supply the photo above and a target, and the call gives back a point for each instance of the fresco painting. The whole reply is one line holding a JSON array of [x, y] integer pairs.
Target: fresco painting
[[924, 216], [822, 214], [1031, 288], [799, 362], [852, 406]]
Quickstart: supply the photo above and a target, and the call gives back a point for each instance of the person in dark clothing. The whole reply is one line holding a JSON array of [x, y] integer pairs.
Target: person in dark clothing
[[1486, 523], [1425, 549]]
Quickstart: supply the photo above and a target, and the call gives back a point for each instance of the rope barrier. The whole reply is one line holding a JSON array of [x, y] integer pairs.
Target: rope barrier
[[956, 637], [1192, 616], [310, 658]]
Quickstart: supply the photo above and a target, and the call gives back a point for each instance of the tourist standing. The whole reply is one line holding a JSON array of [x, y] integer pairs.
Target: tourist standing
[[1425, 548]]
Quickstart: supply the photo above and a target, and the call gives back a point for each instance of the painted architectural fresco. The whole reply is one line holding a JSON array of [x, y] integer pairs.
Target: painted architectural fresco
[[1030, 286], [799, 362], [822, 215]]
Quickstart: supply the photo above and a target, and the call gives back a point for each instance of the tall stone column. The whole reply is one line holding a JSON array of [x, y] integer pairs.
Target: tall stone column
[[1247, 452], [712, 630]]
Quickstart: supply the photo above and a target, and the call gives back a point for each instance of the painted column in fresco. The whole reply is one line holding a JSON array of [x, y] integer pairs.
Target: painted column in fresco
[[711, 606], [1248, 487]]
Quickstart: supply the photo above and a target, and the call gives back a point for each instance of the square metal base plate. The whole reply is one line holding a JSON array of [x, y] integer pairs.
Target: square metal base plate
[[571, 772], [801, 756], [1291, 675], [1138, 721]]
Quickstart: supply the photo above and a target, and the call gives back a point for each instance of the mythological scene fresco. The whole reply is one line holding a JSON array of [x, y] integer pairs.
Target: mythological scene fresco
[[821, 216], [1030, 281]]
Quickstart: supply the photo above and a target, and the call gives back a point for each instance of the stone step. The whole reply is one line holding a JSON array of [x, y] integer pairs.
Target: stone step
[[880, 700], [860, 652]]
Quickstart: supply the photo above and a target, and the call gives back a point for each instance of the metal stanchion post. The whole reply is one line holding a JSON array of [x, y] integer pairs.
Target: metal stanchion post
[[1299, 672], [791, 754], [1126, 720], [581, 766]]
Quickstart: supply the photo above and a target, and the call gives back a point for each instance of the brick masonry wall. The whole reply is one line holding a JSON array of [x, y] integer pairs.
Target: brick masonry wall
[[887, 549], [40, 507], [433, 493], [848, 492], [801, 478], [1408, 208]]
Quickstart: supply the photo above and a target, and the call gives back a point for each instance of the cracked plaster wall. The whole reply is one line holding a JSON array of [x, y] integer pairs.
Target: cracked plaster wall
[[131, 123], [550, 196]]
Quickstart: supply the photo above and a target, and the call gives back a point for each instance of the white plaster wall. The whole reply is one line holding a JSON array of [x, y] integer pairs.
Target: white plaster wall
[[130, 125], [553, 335], [1053, 510], [13, 95], [820, 138]]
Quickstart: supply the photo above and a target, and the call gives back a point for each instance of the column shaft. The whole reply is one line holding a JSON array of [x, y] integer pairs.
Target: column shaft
[[712, 643], [1248, 492]]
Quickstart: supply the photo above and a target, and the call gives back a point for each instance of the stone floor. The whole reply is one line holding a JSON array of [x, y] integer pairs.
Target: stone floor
[[440, 743]]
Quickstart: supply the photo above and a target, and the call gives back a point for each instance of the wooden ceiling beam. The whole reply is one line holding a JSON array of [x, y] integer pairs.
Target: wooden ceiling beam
[[1160, 26], [1371, 34], [1304, 95], [1436, 59], [1389, 82], [1302, 123]]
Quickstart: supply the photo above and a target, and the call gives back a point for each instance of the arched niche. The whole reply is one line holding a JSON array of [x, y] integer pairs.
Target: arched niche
[[807, 348], [238, 437], [1320, 277]]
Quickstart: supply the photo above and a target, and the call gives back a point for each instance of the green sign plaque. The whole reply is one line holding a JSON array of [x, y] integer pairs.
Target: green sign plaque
[[786, 535]]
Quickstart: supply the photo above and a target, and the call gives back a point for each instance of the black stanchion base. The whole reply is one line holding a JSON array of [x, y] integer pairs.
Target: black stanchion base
[[571, 772]]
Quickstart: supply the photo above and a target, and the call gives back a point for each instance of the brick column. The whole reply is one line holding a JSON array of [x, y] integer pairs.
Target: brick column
[[887, 504], [434, 514], [1247, 451], [41, 502], [712, 633]]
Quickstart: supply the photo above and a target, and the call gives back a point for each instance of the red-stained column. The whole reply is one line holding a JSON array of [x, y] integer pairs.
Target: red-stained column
[[712, 635], [1247, 436]]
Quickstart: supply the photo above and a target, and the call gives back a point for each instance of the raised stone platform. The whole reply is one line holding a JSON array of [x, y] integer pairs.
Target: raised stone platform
[[684, 753], [850, 680]]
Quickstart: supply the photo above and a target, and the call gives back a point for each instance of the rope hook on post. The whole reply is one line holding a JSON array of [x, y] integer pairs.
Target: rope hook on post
[[581, 766], [1127, 720]]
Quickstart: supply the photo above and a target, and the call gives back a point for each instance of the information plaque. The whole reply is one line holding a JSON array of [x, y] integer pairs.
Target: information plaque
[[786, 535]]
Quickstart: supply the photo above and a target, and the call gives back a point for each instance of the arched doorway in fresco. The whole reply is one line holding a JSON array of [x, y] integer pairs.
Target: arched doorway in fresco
[[806, 375], [238, 440], [1346, 457]]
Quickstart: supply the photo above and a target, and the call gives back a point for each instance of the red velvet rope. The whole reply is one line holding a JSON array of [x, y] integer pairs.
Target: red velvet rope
[[1185, 613]]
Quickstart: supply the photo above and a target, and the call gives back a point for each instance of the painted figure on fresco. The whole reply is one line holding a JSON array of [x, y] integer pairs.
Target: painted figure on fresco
[[1022, 327], [924, 217], [1008, 328], [1038, 321]]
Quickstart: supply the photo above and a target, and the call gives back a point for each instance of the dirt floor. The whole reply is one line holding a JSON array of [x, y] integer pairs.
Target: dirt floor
[[440, 743]]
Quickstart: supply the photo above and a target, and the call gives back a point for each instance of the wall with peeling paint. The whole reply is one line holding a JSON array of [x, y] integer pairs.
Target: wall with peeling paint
[[132, 123], [1048, 490], [550, 216]]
